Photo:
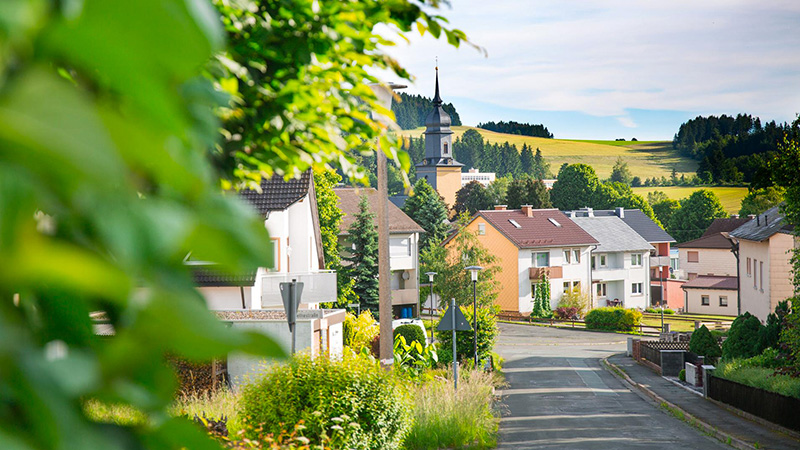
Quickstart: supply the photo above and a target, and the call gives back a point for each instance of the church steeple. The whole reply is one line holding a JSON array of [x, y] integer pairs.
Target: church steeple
[[437, 101], [438, 135]]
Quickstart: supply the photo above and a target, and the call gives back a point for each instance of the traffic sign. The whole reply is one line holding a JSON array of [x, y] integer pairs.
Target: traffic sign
[[446, 324]]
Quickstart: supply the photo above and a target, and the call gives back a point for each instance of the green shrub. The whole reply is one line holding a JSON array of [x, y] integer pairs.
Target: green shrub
[[658, 311], [682, 375], [359, 331], [444, 418], [487, 335], [742, 371], [353, 399], [575, 298], [411, 333], [742, 339], [703, 343], [790, 335], [614, 319], [412, 359], [770, 335]]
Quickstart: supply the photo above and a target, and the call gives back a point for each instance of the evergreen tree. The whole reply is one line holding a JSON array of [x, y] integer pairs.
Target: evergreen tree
[[472, 198], [526, 160], [512, 127], [490, 160], [469, 149], [509, 161], [426, 207], [363, 257], [621, 173], [541, 168]]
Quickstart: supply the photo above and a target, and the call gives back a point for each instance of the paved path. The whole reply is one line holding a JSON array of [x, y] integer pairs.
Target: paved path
[[560, 397]]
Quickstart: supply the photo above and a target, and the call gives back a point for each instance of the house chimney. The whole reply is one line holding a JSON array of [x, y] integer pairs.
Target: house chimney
[[734, 216], [499, 207], [620, 212], [527, 210], [766, 219], [758, 220], [589, 212]]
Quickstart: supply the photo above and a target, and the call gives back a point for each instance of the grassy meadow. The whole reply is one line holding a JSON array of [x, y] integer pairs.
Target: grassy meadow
[[731, 197], [645, 159]]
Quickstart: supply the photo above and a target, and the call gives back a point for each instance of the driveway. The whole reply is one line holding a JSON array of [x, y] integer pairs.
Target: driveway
[[559, 396]]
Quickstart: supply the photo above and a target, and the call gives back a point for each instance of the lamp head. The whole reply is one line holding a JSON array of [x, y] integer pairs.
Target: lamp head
[[473, 272], [430, 276]]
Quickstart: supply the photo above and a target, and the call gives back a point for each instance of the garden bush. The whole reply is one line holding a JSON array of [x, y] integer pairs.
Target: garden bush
[[682, 375], [487, 335], [742, 339], [613, 319], [359, 331], [658, 311], [565, 313], [769, 335], [575, 298], [411, 333], [703, 343], [751, 373], [353, 399]]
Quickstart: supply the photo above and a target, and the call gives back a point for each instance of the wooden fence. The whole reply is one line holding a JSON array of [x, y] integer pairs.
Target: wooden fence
[[770, 406]]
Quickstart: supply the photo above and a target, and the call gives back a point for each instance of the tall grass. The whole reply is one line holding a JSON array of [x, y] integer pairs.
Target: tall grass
[[758, 377], [446, 419]]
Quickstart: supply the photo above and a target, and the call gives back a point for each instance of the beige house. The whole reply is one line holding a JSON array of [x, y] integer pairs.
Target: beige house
[[711, 253], [716, 295], [764, 246]]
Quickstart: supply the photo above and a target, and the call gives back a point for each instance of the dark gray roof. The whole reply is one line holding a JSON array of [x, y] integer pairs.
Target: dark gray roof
[[717, 241], [205, 276], [725, 225], [278, 194], [635, 219], [399, 200], [613, 234], [763, 226]]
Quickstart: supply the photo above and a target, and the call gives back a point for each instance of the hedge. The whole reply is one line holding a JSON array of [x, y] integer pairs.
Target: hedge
[[613, 319]]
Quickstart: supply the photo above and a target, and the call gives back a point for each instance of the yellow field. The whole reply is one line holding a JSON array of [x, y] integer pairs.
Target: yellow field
[[731, 197], [645, 159]]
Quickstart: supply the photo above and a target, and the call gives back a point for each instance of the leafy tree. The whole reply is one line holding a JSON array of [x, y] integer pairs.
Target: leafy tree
[[363, 258], [576, 187], [621, 173], [742, 341], [527, 191], [487, 336], [541, 168], [449, 261], [784, 174], [615, 194], [664, 210], [498, 190], [297, 72], [759, 200], [426, 207], [790, 334], [656, 197], [695, 215], [472, 198], [703, 343], [330, 218]]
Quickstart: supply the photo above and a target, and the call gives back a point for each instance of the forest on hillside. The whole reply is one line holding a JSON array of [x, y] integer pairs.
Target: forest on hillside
[[511, 127], [730, 149], [412, 110]]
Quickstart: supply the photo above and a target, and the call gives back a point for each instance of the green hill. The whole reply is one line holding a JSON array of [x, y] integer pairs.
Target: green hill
[[645, 159]]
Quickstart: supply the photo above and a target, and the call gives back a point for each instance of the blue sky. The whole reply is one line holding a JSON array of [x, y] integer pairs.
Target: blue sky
[[612, 69]]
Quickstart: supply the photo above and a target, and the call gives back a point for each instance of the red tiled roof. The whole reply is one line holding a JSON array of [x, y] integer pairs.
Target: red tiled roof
[[717, 240], [546, 228], [349, 199], [712, 282]]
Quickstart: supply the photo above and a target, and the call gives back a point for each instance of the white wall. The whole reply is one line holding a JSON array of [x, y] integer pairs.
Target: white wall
[[620, 275], [225, 297], [776, 284], [710, 262], [694, 301], [292, 230], [570, 272]]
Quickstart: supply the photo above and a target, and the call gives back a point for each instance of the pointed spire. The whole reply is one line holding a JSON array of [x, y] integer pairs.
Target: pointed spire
[[437, 101]]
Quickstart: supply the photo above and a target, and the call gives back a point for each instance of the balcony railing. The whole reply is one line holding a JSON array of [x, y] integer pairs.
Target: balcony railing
[[535, 273], [317, 286], [659, 261]]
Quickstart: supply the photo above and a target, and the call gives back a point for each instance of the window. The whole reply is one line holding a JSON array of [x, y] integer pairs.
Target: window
[[515, 223], [749, 271], [755, 275], [704, 300], [576, 285], [541, 259], [761, 275], [594, 262], [566, 286], [567, 259], [482, 229], [636, 259], [554, 222], [603, 260], [576, 256], [445, 148], [723, 300], [693, 256], [601, 289], [533, 290], [636, 288]]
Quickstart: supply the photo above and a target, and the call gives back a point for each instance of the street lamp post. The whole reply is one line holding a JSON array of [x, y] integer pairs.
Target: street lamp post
[[430, 279], [473, 272]]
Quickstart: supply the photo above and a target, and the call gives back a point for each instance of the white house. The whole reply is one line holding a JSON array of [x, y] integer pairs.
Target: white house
[[764, 245], [403, 247], [620, 263], [484, 178]]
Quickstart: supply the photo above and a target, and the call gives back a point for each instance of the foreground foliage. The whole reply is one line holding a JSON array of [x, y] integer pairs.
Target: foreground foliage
[[487, 336], [613, 319], [354, 400]]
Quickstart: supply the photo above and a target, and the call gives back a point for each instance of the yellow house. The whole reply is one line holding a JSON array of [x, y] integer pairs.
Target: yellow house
[[529, 242], [765, 246]]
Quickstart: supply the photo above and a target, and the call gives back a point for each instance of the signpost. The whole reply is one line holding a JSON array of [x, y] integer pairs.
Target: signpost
[[291, 293], [454, 320]]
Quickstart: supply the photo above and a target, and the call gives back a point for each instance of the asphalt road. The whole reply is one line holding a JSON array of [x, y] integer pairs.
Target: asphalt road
[[559, 396]]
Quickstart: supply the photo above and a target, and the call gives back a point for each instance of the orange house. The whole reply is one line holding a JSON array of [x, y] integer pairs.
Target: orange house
[[528, 242]]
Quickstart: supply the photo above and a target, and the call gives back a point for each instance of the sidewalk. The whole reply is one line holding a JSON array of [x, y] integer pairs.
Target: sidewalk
[[750, 433]]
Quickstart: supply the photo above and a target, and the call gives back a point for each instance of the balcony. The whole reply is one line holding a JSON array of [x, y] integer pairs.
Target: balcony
[[405, 296], [535, 273], [317, 286], [659, 261]]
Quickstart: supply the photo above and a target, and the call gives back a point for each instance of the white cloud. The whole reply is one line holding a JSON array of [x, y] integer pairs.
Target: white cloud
[[607, 57]]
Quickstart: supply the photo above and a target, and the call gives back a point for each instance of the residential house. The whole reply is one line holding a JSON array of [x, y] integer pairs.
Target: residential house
[[620, 263], [403, 247], [710, 257], [484, 178], [529, 243], [662, 285], [764, 245]]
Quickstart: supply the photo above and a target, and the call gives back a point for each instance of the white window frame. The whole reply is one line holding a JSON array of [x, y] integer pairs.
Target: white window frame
[[535, 259], [481, 229], [636, 288], [566, 286], [533, 290], [705, 300], [601, 290], [567, 257], [602, 260], [636, 260], [576, 255], [749, 271]]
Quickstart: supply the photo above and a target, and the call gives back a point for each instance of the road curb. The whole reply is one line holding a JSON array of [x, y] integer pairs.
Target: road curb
[[706, 428]]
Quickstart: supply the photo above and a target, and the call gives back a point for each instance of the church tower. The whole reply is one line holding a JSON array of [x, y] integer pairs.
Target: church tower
[[439, 167]]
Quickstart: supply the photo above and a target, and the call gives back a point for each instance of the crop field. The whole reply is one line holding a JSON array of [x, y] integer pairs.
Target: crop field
[[645, 159], [731, 197]]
